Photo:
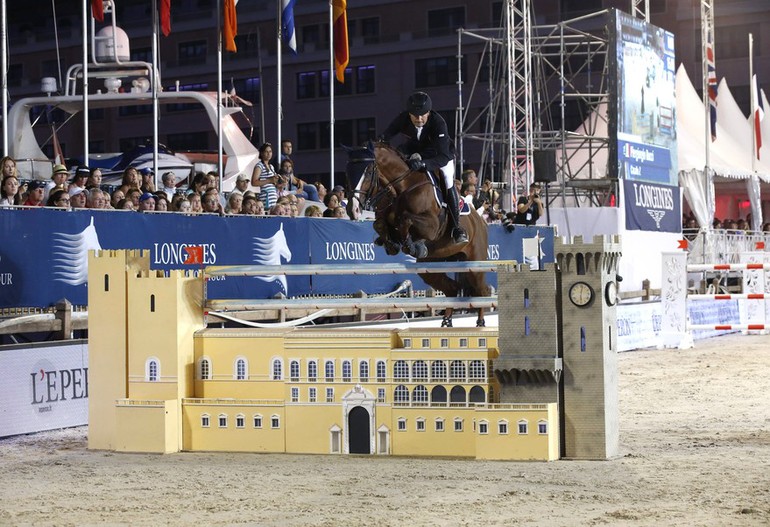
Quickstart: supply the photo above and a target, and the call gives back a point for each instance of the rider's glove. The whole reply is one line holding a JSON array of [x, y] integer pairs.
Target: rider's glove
[[416, 164]]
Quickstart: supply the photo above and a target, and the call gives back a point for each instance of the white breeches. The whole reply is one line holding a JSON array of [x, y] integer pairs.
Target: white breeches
[[448, 173]]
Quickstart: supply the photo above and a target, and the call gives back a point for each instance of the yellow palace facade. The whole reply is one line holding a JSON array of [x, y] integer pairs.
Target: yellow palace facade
[[161, 382]]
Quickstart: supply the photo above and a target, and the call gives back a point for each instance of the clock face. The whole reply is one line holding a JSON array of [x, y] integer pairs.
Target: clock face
[[581, 294], [611, 293]]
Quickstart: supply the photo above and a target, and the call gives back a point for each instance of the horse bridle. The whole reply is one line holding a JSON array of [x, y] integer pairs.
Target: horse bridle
[[376, 191]]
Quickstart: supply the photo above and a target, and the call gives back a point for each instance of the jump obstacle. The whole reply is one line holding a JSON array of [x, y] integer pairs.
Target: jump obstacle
[[369, 303], [676, 330]]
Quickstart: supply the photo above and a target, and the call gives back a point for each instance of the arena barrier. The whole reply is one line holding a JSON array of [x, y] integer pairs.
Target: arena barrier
[[677, 327], [214, 306]]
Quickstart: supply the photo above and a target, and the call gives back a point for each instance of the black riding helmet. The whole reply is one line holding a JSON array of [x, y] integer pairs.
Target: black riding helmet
[[418, 103]]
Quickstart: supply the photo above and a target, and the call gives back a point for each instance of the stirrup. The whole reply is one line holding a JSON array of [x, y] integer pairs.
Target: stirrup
[[459, 236]]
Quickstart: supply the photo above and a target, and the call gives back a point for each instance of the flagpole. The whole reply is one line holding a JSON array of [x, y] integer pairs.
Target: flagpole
[[155, 109], [220, 169], [279, 66], [261, 89], [85, 81], [753, 95], [331, 95], [4, 51]]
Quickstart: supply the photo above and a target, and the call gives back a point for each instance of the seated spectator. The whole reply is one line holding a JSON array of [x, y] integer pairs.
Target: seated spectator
[[279, 209], [196, 205], [82, 173], [210, 202], [133, 195], [168, 179], [146, 202], [295, 185], [148, 180], [131, 179], [242, 184], [331, 201], [78, 196], [234, 203], [313, 211], [766, 227], [176, 199], [741, 224], [716, 224], [321, 189], [339, 191], [35, 193], [58, 180], [59, 198], [116, 197], [199, 183], [94, 179], [97, 199], [252, 206], [184, 206], [161, 202], [9, 191], [340, 212], [125, 204], [7, 167]]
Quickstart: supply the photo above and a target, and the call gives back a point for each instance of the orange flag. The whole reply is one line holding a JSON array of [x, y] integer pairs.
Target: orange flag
[[340, 21], [97, 10], [230, 28], [683, 244], [165, 17]]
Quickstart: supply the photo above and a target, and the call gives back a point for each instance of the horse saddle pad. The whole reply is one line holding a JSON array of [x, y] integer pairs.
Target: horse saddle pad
[[465, 208]]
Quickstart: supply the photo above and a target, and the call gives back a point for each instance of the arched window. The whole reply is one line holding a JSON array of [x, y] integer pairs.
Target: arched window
[[438, 394], [401, 394], [438, 370], [457, 370], [347, 371], [477, 370], [312, 370], [363, 371], [329, 370], [277, 369], [152, 370], [420, 394], [457, 395], [294, 370], [400, 371], [241, 369], [477, 395], [523, 427], [205, 420], [204, 372], [382, 371], [420, 371]]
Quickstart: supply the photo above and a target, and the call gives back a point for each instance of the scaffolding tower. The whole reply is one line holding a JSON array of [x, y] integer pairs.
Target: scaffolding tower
[[548, 89]]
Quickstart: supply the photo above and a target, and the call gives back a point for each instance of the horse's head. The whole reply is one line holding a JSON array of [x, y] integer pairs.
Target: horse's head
[[282, 245], [389, 159]]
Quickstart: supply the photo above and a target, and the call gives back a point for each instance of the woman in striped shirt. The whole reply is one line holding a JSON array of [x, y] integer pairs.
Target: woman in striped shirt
[[265, 176]]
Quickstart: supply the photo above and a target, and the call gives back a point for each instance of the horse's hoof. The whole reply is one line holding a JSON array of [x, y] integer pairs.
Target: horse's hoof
[[421, 251], [446, 322], [391, 250], [480, 323], [379, 241]]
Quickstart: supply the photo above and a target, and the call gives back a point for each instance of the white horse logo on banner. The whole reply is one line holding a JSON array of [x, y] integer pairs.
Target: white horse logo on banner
[[70, 254], [271, 251]]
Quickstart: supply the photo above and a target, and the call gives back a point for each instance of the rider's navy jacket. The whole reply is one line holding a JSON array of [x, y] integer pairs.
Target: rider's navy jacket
[[434, 144]]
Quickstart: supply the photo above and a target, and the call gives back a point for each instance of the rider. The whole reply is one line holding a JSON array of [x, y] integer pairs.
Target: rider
[[428, 147]]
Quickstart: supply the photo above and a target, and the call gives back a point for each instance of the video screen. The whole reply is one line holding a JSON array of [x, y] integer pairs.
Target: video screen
[[646, 98]]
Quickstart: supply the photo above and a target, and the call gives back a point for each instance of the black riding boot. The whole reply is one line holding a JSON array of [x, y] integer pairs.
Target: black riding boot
[[458, 234]]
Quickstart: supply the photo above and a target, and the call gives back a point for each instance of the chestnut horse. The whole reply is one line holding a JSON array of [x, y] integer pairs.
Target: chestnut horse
[[408, 217]]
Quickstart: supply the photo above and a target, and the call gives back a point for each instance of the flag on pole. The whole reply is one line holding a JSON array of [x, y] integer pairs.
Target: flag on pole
[[759, 113], [340, 21], [97, 10], [287, 24], [165, 17], [712, 84], [230, 27]]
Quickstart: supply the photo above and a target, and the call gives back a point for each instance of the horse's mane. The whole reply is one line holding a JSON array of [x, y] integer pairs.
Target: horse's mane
[[387, 146]]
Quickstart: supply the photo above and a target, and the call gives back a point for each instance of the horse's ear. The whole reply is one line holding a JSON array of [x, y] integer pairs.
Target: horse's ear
[[346, 148], [370, 146]]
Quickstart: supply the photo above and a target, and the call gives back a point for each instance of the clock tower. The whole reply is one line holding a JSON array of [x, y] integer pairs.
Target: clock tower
[[558, 342], [589, 386]]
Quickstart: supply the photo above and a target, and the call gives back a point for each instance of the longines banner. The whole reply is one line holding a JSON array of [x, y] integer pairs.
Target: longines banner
[[44, 253], [651, 207], [43, 387]]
